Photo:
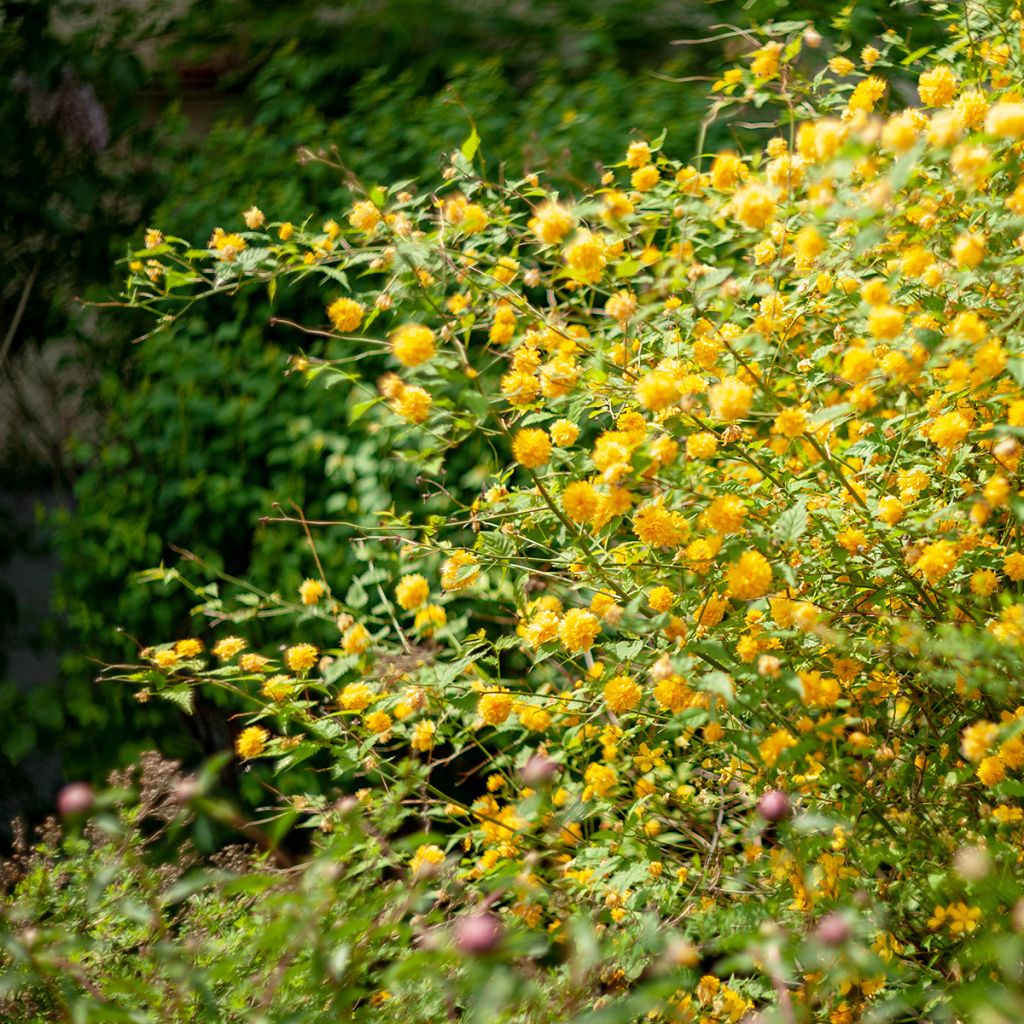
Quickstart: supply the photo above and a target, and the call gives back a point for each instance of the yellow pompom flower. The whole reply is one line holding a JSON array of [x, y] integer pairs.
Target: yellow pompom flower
[[949, 430], [356, 697], [890, 510], [378, 722], [429, 618], [643, 179], [251, 742], [579, 629], [702, 445], [412, 591], [660, 527], [622, 694], [1013, 566], [423, 736], [730, 399], [749, 577], [1006, 120], [937, 561], [660, 599], [586, 256], [551, 222], [564, 433], [885, 322], [413, 404], [311, 591], [937, 87], [657, 390], [580, 501], [356, 639], [459, 570], [228, 647], [495, 707], [413, 344], [425, 860], [969, 250], [345, 315], [754, 206], [301, 657], [531, 448], [364, 216]]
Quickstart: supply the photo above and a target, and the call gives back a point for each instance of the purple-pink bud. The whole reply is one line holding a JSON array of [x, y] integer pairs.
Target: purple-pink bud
[[774, 805], [477, 933], [75, 798], [832, 930], [539, 770]]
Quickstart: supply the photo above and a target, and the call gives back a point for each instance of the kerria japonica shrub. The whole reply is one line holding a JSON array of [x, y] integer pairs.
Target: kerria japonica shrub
[[719, 673]]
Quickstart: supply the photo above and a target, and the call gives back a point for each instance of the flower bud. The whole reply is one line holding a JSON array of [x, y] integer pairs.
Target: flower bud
[[832, 930], [75, 798], [478, 933], [539, 770], [774, 805]]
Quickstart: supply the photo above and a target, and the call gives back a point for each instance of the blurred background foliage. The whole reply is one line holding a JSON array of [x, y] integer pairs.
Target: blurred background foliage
[[118, 116]]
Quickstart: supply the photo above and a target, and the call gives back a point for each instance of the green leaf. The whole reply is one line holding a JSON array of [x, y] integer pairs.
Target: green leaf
[[471, 145]]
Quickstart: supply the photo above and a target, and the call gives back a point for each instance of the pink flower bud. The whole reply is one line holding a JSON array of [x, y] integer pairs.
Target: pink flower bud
[[539, 770], [477, 933], [774, 805], [75, 798], [832, 930]]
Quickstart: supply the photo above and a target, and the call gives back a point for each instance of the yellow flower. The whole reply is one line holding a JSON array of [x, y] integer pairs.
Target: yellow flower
[[579, 629], [429, 618], [937, 87], [378, 722], [657, 390], [423, 736], [580, 501], [413, 344], [638, 154], [345, 314], [494, 707], [356, 697], [702, 445], [937, 561], [412, 591], [730, 399], [661, 527], [364, 216], [564, 433], [551, 222], [413, 404], [165, 659], [643, 179], [301, 657], [188, 648], [750, 576], [586, 257], [754, 206], [311, 591], [1006, 120], [425, 860], [949, 430], [227, 647], [660, 599], [251, 742], [531, 448], [459, 571], [356, 639], [969, 249], [622, 694]]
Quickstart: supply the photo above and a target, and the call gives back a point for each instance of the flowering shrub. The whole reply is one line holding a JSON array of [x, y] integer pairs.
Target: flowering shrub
[[708, 705]]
